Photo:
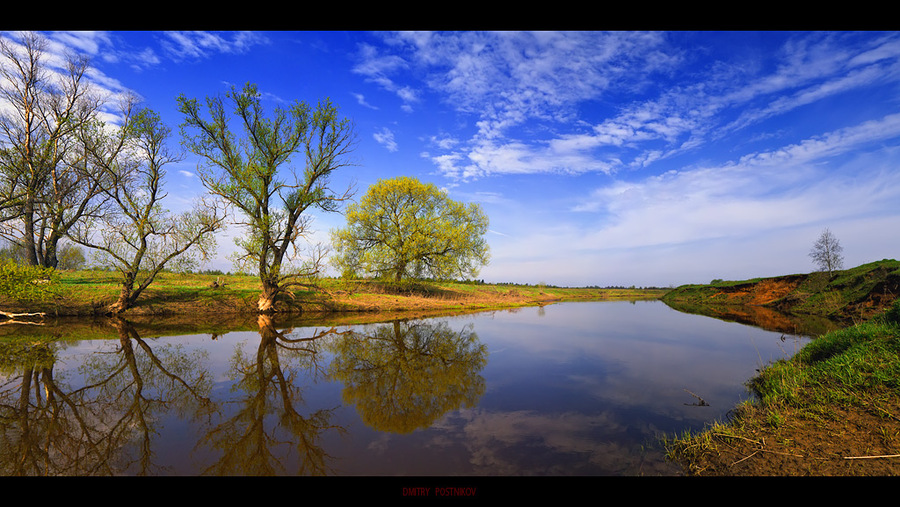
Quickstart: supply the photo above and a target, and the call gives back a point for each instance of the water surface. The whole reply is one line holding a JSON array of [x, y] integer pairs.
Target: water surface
[[570, 389]]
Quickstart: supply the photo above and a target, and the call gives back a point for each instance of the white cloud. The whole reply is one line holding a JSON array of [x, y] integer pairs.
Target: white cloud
[[378, 69], [508, 79], [361, 100], [750, 196], [88, 42], [385, 138], [757, 216]]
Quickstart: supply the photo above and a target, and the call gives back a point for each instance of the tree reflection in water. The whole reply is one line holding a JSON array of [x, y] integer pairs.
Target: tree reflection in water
[[112, 414], [268, 381], [104, 427], [403, 376]]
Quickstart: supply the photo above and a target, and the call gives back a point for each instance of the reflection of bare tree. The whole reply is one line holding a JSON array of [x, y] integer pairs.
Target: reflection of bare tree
[[405, 375], [272, 392], [107, 425]]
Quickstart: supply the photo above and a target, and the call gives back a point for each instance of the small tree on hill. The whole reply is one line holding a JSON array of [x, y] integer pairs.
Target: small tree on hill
[[403, 228], [826, 253]]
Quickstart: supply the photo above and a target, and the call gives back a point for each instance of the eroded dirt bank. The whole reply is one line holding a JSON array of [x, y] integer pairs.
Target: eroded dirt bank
[[851, 295]]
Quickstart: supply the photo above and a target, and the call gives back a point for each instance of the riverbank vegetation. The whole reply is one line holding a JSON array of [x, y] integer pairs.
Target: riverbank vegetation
[[831, 409], [851, 295], [77, 166], [89, 292]]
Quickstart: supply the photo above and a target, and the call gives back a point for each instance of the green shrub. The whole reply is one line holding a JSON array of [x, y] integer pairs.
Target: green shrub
[[26, 283], [892, 315]]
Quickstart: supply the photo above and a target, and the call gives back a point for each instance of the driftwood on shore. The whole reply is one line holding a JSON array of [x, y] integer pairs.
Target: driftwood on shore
[[12, 317]]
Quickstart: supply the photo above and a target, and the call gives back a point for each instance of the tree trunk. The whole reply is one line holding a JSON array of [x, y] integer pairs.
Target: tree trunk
[[126, 296], [120, 305], [266, 303], [12, 316], [50, 259], [30, 245]]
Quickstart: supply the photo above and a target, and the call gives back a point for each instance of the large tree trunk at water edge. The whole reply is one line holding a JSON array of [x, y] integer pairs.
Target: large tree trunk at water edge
[[123, 303], [266, 303], [127, 296]]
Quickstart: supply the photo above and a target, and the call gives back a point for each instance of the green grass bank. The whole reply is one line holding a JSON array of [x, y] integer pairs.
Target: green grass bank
[[87, 293], [832, 409]]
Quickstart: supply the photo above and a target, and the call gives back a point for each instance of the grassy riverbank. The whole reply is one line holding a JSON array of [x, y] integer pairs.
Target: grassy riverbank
[[83, 293], [831, 409]]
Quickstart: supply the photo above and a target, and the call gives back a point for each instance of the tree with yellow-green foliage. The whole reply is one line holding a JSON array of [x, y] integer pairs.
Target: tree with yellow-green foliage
[[403, 228]]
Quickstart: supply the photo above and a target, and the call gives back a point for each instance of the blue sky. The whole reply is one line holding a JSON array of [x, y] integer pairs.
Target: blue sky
[[601, 158]]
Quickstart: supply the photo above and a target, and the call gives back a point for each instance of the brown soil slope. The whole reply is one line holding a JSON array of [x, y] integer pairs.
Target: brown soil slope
[[849, 295]]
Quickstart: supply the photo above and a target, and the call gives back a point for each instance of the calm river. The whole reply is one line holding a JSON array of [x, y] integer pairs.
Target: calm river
[[570, 389]]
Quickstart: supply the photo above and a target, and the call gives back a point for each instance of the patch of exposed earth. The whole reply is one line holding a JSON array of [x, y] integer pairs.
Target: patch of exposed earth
[[847, 442]]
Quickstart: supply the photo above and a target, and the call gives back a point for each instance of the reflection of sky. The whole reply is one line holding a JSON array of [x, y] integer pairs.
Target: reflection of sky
[[585, 389], [585, 386], [571, 389], [630, 354]]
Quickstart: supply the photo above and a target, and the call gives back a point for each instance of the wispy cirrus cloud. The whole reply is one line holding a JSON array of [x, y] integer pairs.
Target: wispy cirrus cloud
[[385, 138], [787, 187], [379, 69], [200, 44], [667, 104], [110, 46]]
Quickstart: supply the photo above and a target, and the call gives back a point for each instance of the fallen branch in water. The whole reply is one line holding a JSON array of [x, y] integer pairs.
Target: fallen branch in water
[[702, 402], [26, 322]]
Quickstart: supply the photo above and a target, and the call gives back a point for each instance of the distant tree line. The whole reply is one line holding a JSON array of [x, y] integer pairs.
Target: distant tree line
[[69, 256]]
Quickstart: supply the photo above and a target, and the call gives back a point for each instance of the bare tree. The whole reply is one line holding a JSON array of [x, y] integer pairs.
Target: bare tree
[[136, 236], [45, 185], [826, 253]]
